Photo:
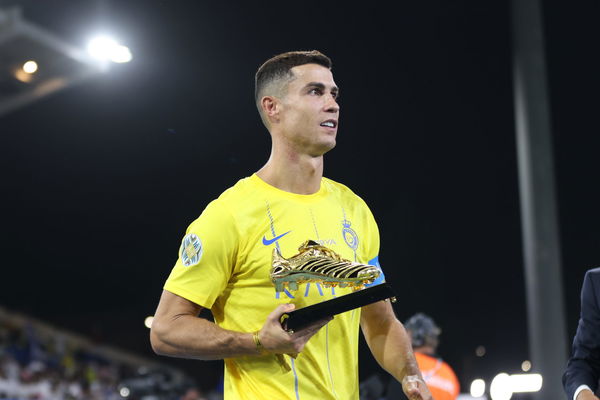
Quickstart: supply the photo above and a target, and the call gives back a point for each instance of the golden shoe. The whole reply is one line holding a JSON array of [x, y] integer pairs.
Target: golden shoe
[[316, 263]]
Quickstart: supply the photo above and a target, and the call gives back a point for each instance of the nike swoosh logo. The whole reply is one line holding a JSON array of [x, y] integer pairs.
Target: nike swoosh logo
[[267, 242]]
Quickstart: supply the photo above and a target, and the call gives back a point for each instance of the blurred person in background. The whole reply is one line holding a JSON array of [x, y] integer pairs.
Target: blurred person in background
[[580, 379], [438, 375], [193, 393]]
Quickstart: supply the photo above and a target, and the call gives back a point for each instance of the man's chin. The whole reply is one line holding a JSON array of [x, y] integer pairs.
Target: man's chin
[[325, 147]]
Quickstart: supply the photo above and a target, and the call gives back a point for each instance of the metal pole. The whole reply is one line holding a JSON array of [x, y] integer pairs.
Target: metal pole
[[541, 247]]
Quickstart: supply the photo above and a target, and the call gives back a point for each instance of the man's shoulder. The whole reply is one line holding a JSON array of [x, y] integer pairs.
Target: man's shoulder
[[593, 277], [594, 273], [229, 199], [342, 190], [236, 192]]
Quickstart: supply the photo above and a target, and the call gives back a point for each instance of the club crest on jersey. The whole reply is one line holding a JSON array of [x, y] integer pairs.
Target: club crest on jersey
[[350, 237], [190, 250]]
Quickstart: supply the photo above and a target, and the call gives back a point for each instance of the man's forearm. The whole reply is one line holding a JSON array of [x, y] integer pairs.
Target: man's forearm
[[178, 332], [388, 341], [192, 337], [392, 350]]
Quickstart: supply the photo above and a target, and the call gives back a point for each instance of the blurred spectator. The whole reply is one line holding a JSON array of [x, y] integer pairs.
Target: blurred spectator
[[372, 388], [39, 363], [193, 394]]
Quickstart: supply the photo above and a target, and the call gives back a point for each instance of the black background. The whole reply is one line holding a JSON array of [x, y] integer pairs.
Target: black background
[[100, 181]]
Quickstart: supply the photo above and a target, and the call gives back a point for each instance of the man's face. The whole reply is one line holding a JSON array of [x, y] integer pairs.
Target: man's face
[[309, 111]]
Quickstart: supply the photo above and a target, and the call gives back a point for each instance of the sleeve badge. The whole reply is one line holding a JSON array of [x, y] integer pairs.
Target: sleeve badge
[[191, 250]]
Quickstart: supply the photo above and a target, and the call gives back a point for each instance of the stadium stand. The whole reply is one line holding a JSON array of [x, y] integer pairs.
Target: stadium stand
[[41, 362]]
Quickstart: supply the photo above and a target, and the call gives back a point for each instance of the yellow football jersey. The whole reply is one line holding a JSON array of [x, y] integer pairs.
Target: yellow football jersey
[[224, 265]]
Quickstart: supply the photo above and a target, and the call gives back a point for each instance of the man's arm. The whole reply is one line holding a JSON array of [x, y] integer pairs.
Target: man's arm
[[392, 348], [177, 331]]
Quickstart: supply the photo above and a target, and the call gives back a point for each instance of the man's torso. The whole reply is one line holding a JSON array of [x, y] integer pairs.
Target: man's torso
[[259, 218]]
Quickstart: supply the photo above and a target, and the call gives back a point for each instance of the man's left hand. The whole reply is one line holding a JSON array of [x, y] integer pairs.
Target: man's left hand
[[415, 388]]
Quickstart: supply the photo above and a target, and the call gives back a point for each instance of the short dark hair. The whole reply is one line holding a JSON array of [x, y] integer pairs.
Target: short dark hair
[[279, 67], [422, 330]]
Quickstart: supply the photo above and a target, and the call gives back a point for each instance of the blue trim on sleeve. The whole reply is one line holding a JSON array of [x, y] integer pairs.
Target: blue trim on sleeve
[[381, 279]]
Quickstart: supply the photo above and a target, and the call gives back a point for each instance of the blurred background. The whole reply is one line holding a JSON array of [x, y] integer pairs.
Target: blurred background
[[105, 161]]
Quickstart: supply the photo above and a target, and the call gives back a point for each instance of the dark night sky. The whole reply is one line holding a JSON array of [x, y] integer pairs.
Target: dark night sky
[[101, 180]]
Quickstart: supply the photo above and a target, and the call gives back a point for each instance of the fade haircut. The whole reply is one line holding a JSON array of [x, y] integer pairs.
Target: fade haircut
[[272, 77]]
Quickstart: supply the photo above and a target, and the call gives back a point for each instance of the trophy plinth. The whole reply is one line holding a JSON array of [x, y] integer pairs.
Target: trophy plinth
[[302, 317]]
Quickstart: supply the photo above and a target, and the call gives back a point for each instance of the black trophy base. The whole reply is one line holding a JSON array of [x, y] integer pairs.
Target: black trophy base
[[302, 317]]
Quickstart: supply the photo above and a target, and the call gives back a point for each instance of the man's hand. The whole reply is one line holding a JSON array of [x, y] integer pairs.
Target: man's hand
[[586, 395], [275, 340], [415, 388]]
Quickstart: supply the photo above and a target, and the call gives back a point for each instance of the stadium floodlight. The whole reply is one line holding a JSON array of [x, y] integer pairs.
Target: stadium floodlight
[[477, 388], [523, 383], [500, 388], [60, 64], [503, 385], [30, 67], [526, 365], [105, 48], [148, 322], [124, 392], [121, 54]]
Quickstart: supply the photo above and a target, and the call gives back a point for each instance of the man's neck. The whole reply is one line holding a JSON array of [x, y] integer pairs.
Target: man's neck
[[292, 172], [428, 350]]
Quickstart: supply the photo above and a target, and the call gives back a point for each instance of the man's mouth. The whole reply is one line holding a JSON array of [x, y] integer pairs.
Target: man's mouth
[[330, 123]]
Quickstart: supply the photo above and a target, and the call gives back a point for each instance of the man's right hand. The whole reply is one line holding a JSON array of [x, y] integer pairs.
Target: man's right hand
[[415, 388], [586, 395], [276, 340]]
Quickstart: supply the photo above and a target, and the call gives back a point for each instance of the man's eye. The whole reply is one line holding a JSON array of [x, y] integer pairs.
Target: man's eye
[[314, 91]]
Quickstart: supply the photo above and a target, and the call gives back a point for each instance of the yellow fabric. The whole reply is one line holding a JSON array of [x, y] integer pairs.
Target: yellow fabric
[[232, 279]]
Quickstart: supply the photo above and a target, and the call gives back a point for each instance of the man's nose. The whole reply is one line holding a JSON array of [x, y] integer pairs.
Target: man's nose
[[332, 105]]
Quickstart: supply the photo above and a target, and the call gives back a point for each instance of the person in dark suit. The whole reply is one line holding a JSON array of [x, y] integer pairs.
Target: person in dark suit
[[580, 379]]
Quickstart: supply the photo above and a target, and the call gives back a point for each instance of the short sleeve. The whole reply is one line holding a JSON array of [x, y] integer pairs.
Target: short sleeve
[[206, 257], [372, 246]]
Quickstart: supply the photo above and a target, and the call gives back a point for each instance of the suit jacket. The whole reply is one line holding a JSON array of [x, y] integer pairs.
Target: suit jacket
[[583, 367]]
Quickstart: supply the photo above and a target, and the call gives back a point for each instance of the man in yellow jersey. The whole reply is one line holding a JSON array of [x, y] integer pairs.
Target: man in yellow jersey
[[225, 260], [438, 375]]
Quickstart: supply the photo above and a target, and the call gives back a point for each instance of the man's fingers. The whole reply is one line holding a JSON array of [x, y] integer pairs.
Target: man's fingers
[[313, 328], [411, 382], [414, 393], [412, 390], [302, 336], [279, 311]]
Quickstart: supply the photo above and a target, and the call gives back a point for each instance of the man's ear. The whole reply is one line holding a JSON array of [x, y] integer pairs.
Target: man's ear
[[270, 107]]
